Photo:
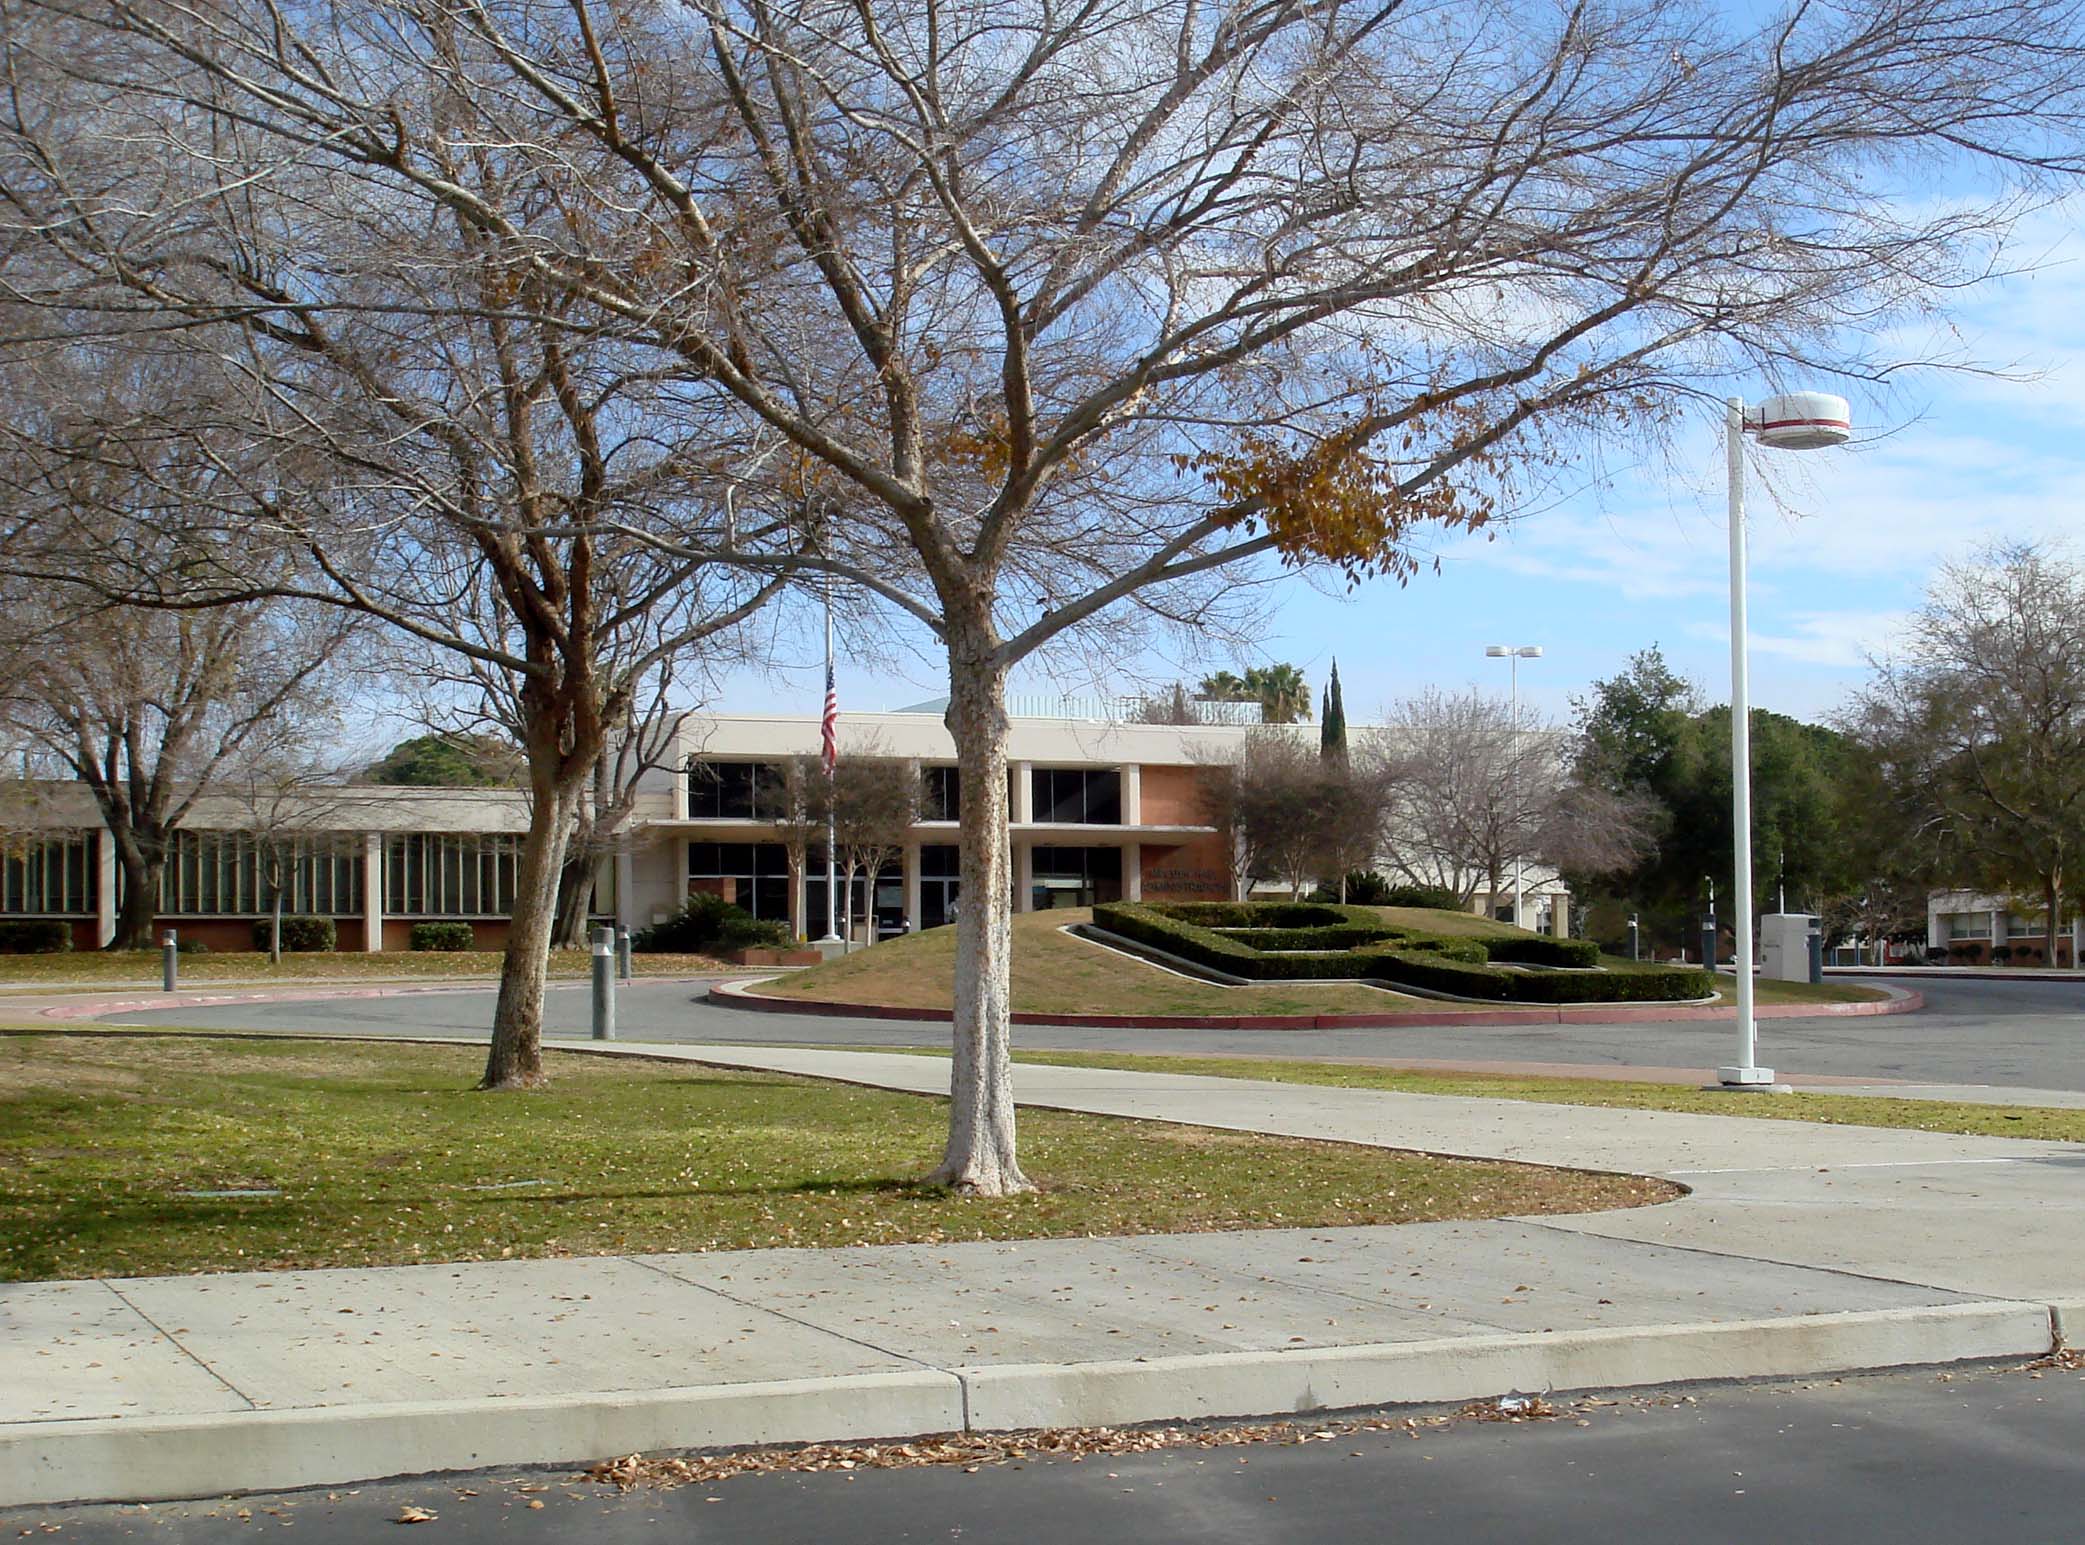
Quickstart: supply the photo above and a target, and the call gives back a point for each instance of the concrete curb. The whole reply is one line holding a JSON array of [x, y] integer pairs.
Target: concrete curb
[[194, 1000], [153, 1459], [741, 995], [162, 1458], [1261, 1383]]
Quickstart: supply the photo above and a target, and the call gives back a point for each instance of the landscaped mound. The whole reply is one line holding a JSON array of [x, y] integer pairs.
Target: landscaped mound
[[1276, 941]]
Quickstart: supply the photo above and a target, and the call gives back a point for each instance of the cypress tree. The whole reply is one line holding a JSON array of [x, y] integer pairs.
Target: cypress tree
[[1332, 723]]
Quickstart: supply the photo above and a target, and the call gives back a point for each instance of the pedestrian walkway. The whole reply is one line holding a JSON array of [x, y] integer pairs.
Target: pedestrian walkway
[[1803, 1248]]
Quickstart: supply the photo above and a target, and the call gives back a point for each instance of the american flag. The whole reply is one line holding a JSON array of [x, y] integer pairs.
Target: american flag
[[829, 732]]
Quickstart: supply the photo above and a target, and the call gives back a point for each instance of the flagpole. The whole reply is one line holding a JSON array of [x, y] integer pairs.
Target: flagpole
[[832, 872]]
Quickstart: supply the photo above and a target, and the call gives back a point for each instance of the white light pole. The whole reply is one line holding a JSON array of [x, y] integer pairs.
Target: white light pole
[[1514, 653], [1799, 421]]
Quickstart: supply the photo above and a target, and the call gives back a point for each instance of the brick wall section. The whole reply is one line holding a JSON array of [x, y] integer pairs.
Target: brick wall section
[[1192, 871], [1172, 796]]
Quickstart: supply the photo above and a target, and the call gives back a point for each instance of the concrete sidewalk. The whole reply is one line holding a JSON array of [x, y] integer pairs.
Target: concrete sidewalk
[[1803, 1249]]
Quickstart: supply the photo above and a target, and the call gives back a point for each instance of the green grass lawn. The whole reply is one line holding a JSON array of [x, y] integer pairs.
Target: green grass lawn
[[94, 968], [382, 1155], [2036, 1122], [1054, 973]]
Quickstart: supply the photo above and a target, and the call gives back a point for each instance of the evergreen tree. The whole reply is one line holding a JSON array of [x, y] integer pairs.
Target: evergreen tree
[[1332, 723]]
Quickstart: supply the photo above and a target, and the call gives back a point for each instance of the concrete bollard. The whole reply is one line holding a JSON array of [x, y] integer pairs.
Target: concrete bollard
[[1708, 942], [1816, 956], [604, 984], [623, 967], [1635, 939], [169, 960]]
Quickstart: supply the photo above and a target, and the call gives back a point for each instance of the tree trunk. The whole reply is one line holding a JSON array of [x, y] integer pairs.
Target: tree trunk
[[980, 1158], [142, 871], [516, 1057], [275, 927], [2050, 889], [575, 893]]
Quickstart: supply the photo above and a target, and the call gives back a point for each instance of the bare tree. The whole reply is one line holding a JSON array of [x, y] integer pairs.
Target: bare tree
[[799, 796], [296, 811], [1977, 724], [1471, 790], [1291, 814], [1062, 314], [875, 801]]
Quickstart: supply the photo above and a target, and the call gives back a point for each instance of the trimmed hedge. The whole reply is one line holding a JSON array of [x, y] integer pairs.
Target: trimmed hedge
[[1260, 914], [35, 936], [1538, 951], [1435, 898], [1458, 965], [1345, 937], [442, 937], [302, 934]]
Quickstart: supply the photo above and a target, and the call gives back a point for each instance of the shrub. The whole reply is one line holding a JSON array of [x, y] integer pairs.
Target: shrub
[[443, 936], [35, 936], [1538, 951], [1462, 966], [1365, 888], [2002, 953], [1259, 914], [303, 934], [707, 925], [190, 946], [1438, 897], [1621, 984], [1344, 937]]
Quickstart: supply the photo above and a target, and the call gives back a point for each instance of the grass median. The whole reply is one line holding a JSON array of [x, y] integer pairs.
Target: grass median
[[133, 1155], [2039, 1123]]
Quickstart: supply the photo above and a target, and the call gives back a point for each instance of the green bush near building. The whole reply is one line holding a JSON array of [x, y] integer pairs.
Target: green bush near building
[[709, 925], [442, 936], [303, 935], [1324, 941], [35, 936]]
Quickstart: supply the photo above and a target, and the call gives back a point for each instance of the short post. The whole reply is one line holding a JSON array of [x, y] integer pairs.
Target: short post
[[604, 984], [1816, 955], [1635, 939], [169, 960], [1708, 942], [622, 954]]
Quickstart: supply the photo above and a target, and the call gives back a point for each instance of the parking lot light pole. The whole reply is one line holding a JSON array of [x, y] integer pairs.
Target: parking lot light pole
[[1799, 421], [1515, 653]]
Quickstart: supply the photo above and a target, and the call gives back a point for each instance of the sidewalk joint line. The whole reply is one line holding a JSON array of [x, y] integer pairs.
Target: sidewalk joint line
[[181, 1347], [794, 1319]]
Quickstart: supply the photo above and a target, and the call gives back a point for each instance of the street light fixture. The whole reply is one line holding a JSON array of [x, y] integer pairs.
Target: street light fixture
[[1799, 421], [1515, 653]]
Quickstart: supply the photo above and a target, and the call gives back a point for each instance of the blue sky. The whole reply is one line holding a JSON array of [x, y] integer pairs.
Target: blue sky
[[1843, 542]]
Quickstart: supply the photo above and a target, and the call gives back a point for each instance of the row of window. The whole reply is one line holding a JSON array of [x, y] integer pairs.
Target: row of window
[[755, 875], [232, 874], [754, 791]]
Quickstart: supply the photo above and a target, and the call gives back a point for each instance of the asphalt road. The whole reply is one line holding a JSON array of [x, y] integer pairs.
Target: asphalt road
[[2024, 1034], [1880, 1460]]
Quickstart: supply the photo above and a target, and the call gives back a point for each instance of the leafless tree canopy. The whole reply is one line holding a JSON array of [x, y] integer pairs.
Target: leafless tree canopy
[[1008, 312], [1977, 723]]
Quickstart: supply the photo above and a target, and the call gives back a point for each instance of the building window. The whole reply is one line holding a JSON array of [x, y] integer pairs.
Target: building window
[[732, 791], [940, 882], [2035, 927], [752, 875], [941, 794], [1075, 877], [438, 875], [228, 874], [48, 877], [1966, 925], [1084, 796]]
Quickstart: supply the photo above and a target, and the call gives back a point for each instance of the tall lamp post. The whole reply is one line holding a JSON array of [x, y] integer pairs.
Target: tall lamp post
[[1799, 421], [1515, 653]]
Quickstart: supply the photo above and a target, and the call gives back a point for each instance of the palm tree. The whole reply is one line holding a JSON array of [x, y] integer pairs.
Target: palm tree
[[1225, 687], [1283, 693]]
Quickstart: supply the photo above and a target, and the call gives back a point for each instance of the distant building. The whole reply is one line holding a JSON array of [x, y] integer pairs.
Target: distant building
[[1101, 810]]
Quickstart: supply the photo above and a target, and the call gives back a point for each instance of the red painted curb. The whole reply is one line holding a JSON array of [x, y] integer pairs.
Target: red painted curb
[[1621, 1014]]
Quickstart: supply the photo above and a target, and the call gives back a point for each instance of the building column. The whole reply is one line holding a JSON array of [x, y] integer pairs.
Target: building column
[[1560, 916], [1021, 809], [912, 910], [1132, 870], [372, 893], [1132, 776], [104, 887], [1024, 876]]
